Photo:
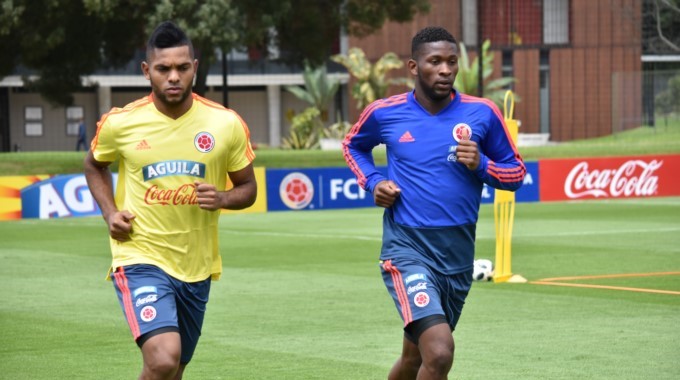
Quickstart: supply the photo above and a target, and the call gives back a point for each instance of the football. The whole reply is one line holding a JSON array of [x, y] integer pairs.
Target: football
[[483, 270]]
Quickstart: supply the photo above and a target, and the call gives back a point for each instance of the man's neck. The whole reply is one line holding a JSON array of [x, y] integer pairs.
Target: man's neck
[[431, 105]]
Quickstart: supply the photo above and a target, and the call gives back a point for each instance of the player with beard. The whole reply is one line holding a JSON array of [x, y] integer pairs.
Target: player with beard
[[175, 150], [442, 147]]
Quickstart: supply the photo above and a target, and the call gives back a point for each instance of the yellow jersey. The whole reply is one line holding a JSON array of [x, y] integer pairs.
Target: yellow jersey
[[160, 158]]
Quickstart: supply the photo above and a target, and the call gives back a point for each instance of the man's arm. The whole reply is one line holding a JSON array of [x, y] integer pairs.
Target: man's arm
[[358, 149], [500, 164], [242, 195], [100, 182]]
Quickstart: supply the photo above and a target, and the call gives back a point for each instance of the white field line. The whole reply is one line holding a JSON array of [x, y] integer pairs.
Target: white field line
[[300, 235], [481, 236], [600, 232]]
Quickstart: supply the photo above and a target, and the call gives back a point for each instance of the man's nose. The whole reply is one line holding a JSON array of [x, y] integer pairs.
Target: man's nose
[[445, 70], [174, 75]]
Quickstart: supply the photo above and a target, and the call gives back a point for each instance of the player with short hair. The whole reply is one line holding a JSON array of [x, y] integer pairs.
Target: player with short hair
[[442, 147], [175, 150]]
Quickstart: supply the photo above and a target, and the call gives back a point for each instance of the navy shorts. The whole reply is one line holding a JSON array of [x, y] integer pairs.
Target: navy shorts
[[154, 302], [419, 292]]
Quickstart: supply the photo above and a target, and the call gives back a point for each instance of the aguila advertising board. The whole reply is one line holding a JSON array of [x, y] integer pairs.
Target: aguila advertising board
[[610, 177]]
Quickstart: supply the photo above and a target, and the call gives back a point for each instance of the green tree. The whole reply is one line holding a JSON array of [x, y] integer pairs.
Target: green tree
[[372, 80], [306, 30], [467, 80], [60, 41], [211, 24]]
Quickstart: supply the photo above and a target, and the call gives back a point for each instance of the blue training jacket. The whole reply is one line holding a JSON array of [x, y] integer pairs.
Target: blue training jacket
[[436, 191]]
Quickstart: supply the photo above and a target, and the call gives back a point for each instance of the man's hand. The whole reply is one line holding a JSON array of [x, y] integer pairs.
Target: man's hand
[[467, 154], [385, 193], [120, 225], [208, 197]]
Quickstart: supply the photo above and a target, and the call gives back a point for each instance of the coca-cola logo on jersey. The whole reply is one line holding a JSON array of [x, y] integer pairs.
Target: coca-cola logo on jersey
[[184, 195], [632, 178]]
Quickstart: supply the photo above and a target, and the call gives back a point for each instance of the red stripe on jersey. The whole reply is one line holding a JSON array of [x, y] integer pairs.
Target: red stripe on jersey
[[472, 99], [506, 174], [129, 107], [402, 296], [129, 309], [393, 100], [250, 155]]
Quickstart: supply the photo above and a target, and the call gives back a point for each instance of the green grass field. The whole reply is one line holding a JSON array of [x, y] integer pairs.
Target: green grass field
[[301, 298]]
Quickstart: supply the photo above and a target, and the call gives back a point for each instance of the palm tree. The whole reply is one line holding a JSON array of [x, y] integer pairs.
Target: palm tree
[[467, 80], [372, 81], [319, 89]]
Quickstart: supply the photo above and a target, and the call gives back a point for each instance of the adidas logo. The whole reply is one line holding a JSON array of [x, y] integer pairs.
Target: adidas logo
[[143, 145], [406, 137]]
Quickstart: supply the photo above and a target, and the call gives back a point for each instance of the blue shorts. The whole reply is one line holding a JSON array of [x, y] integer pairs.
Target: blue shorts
[[419, 292], [153, 302]]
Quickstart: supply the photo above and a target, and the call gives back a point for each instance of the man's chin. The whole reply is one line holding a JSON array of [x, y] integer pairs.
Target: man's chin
[[172, 99], [440, 95]]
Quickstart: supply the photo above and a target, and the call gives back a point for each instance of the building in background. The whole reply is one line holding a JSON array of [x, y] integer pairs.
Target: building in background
[[578, 65], [255, 89], [577, 62]]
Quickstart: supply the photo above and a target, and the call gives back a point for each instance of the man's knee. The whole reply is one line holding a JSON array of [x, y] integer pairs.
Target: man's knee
[[163, 365], [162, 354], [437, 348], [439, 356]]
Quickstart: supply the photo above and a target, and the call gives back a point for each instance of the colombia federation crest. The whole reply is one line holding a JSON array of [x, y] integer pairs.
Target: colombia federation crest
[[204, 142]]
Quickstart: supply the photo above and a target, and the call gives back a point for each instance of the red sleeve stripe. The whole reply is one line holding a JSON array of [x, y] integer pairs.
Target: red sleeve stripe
[[506, 171], [399, 288], [121, 282], [507, 178], [381, 103], [249, 149], [471, 99], [352, 164], [129, 107]]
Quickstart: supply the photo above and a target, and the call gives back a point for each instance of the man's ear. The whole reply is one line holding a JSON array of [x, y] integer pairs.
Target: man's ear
[[145, 70], [412, 66]]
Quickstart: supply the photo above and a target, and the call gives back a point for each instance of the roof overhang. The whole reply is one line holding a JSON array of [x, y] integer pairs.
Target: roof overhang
[[212, 80]]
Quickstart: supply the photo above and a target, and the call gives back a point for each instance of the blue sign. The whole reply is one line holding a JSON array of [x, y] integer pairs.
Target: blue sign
[[314, 189], [58, 197]]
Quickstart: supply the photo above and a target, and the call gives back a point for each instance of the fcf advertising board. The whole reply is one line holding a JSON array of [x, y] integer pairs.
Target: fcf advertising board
[[610, 177], [314, 189]]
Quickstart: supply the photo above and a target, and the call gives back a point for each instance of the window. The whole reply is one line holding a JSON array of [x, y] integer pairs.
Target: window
[[33, 121], [73, 117], [516, 22], [469, 20], [555, 22]]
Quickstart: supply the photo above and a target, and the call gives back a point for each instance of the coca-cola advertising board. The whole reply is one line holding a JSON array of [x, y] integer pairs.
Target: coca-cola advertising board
[[609, 178]]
